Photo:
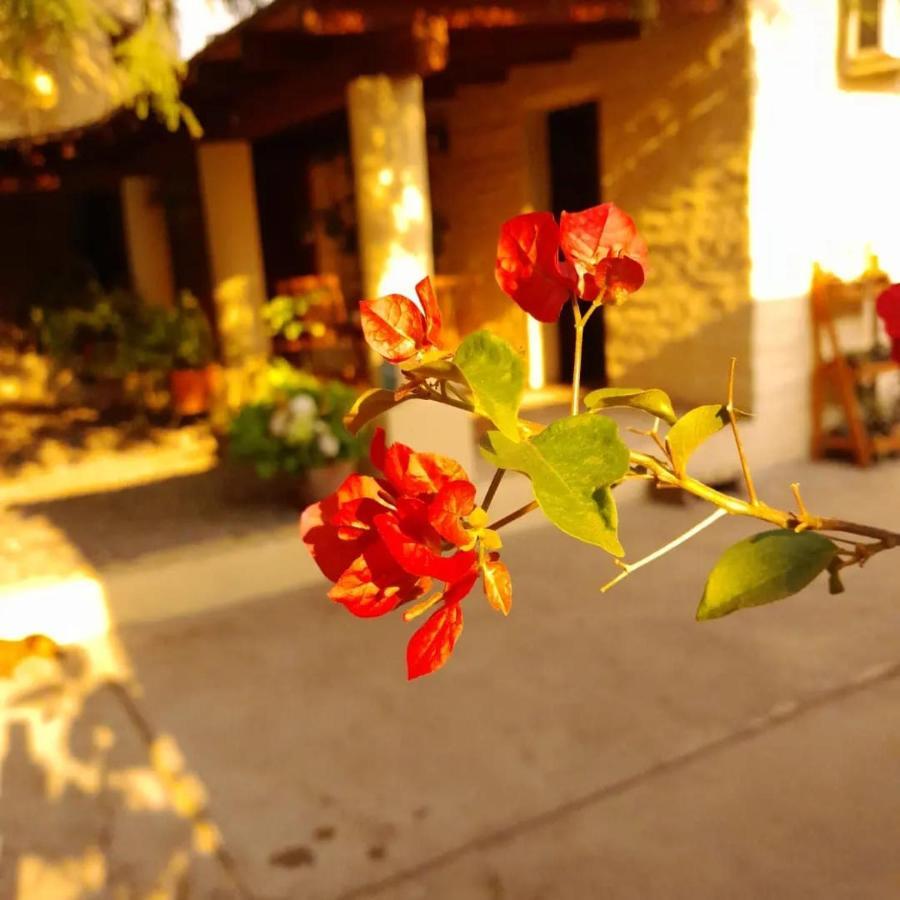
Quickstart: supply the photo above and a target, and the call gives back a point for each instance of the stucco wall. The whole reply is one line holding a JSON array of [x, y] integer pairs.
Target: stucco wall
[[824, 187], [825, 160], [675, 133]]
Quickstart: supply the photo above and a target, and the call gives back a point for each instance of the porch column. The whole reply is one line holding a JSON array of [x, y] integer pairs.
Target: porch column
[[393, 208], [390, 164], [147, 240], [234, 247]]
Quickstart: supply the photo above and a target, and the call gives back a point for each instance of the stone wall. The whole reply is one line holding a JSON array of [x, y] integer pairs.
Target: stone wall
[[675, 126]]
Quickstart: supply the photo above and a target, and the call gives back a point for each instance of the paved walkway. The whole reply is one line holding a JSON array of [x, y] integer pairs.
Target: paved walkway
[[588, 746]]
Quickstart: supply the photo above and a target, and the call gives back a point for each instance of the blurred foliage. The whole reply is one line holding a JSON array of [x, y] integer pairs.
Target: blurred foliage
[[116, 334], [96, 47], [190, 334], [287, 316], [294, 424]]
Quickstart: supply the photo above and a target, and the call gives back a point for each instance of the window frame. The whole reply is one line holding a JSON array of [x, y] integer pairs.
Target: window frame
[[864, 64]]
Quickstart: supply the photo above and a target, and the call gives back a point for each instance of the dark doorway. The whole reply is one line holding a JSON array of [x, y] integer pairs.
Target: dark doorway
[[573, 136], [286, 217], [98, 236]]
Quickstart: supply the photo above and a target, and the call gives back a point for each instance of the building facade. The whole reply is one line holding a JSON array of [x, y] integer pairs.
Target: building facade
[[749, 140]]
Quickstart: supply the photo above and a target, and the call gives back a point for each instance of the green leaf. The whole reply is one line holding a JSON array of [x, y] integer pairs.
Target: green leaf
[[571, 465], [764, 568], [653, 401], [691, 430], [438, 368], [370, 405], [496, 375]]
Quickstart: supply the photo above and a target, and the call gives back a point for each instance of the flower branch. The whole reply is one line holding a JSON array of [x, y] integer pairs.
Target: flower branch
[[802, 520], [413, 536], [629, 568], [732, 417]]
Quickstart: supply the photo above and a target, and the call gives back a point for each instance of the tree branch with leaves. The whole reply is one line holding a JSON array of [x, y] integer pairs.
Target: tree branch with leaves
[[126, 54], [414, 534]]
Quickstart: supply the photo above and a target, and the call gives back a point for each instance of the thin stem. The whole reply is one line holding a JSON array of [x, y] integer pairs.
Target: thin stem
[[492, 489], [801, 506], [745, 466], [734, 505], [732, 416], [664, 476], [516, 514], [843, 540], [653, 434], [628, 568], [660, 443], [802, 511], [449, 401], [887, 539], [576, 365]]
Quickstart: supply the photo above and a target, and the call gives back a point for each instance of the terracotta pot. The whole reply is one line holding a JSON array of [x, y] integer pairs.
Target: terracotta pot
[[191, 390]]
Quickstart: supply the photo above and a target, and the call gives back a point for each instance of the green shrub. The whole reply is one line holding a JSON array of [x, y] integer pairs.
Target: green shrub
[[296, 424]]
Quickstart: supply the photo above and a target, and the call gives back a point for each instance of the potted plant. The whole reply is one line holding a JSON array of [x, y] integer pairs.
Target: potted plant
[[91, 341], [292, 318], [192, 354], [293, 436]]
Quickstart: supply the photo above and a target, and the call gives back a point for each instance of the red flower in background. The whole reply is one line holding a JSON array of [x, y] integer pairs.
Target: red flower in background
[[397, 329], [384, 541], [888, 306], [604, 259]]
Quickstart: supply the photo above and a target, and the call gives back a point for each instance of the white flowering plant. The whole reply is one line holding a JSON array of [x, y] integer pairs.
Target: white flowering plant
[[294, 425]]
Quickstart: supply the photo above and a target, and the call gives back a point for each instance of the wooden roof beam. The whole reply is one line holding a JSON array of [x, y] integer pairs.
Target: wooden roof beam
[[345, 17]]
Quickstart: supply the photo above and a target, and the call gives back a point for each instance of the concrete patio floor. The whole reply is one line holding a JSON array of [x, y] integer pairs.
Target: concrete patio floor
[[586, 747]]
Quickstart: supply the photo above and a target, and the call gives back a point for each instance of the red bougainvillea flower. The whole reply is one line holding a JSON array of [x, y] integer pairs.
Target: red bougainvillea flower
[[385, 541], [608, 253], [604, 259], [528, 266], [888, 306], [396, 328]]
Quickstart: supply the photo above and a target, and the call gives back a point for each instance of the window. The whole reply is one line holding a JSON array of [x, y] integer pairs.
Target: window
[[868, 26], [870, 40]]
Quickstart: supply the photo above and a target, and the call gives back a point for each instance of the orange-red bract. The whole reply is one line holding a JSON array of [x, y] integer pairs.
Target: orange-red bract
[[414, 473], [408, 543], [397, 329], [453, 502], [606, 250], [604, 259], [497, 584], [430, 647], [374, 584], [428, 299], [393, 326], [383, 541], [590, 236], [528, 266]]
